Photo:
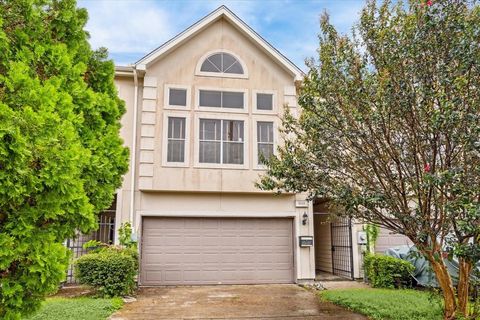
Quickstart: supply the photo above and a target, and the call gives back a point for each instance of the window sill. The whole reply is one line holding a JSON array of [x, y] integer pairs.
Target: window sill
[[180, 108], [221, 75], [222, 110], [175, 165], [220, 166]]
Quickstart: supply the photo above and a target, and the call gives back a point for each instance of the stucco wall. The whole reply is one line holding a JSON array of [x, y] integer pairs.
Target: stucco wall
[[179, 68]]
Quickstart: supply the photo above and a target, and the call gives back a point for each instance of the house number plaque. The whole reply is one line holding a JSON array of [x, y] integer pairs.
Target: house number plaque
[[306, 241]]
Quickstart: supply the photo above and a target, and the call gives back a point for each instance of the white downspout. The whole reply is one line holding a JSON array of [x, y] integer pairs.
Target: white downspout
[[134, 147]]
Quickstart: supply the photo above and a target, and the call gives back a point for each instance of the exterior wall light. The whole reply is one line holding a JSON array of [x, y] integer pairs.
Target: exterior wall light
[[305, 218]]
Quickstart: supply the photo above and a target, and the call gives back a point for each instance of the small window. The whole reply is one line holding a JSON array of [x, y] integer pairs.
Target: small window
[[264, 140], [176, 140], [222, 63], [177, 97], [221, 99], [221, 141], [264, 101]]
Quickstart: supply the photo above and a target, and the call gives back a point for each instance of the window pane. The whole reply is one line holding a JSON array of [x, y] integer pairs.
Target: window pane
[[264, 101], [235, 68], [210, 98], [232, 100], [264, 131], [265, 150], [209, 152], [233, 152], [209, 129], [208, 66], [216, 60], [228, 60], [176, 151], [177, 97], [232, 130], [176, 128]]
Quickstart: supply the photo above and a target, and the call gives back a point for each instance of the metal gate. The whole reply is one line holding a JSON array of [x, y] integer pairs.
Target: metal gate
[[105, 234], [342, 253]]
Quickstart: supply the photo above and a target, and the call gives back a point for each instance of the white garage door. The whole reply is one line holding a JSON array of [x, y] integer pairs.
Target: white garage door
[[189, 251]]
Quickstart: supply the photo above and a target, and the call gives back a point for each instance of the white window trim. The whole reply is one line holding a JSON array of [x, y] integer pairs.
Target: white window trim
[[276, 127], [177, 114], [166, 95], [274, 102], [219, 74], [246, 139], [221, 110]]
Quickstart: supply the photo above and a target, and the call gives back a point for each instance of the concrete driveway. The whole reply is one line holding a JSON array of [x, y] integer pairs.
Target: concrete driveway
[[231, 302]]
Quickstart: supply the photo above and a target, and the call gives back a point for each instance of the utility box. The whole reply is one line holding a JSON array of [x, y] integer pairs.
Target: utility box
[[361, 237]]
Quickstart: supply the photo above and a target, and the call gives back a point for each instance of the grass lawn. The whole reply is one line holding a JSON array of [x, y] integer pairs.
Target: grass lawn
[[388, 304], [77, 309]]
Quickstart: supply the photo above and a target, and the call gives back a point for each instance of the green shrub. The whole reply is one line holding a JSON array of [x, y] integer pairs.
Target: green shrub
[[388, 272], [125, 233], [111, 271]]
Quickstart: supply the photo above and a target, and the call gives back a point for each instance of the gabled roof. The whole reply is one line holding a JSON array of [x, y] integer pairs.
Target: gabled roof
[[221, 12]]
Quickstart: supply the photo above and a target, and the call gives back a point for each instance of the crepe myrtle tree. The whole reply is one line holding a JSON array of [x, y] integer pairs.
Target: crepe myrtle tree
[[390, 130], [61, 157]]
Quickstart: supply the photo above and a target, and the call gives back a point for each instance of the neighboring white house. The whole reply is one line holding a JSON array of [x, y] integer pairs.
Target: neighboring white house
[[201, 109]]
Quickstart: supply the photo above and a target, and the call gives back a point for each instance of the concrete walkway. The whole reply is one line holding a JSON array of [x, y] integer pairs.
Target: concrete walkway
[[280, 302]]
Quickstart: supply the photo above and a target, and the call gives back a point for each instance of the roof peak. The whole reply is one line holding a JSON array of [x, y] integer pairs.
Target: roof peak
[[221, 11]]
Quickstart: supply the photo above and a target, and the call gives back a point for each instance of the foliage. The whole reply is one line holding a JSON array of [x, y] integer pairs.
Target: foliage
[[373, 231], [77, 309], [93, 244], [61, 158], [111, 271], [388, 304], [390, 129], [388, 272], [125, 235]]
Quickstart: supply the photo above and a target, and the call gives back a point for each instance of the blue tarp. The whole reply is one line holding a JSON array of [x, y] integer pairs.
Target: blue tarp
[[423, 274]]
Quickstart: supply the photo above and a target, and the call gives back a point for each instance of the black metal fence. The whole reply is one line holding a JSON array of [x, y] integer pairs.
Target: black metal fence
[[105, 234], [342, 252]]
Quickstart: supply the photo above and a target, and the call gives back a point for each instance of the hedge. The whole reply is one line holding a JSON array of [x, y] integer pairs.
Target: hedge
[[111, 271], [388, 272]]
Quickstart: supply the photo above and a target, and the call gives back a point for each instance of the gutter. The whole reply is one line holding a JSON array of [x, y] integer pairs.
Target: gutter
[[134, 147]]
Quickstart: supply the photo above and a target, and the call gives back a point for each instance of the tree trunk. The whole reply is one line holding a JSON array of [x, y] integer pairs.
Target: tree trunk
[[465, 268], [446, 284]]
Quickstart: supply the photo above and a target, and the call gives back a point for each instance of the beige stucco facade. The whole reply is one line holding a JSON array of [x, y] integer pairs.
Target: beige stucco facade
[[156, 188]]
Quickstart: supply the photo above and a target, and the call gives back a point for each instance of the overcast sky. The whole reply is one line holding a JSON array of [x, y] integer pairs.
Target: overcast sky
[[132, 28]]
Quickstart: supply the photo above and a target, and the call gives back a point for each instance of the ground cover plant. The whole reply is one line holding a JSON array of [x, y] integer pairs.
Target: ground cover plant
[[77, 309], [388, 304]]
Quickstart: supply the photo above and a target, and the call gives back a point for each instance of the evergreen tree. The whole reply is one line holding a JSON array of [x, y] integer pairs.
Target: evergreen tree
[[61, 157]]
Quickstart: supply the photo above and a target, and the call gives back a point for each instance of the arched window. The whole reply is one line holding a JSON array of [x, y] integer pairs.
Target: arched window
[[222, 62]]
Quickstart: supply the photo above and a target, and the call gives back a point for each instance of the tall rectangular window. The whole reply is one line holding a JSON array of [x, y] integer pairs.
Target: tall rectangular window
[[221, 99], [232, 141], [264, 140], [221, 141], [210, 141], [176, 140]]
